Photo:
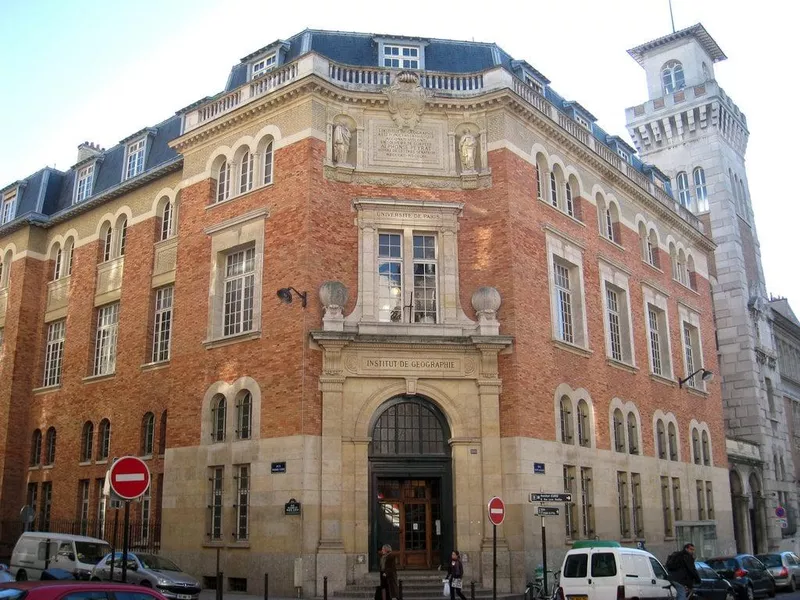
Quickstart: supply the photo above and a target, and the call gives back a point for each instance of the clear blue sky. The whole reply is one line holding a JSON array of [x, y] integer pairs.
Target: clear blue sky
[[75, 70]]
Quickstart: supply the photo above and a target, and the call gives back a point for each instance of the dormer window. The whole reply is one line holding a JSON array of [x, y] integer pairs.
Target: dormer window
[[134, 158], [9, 207], [263, 65], [623, 155], [84, 183], [533, 84], [582, 122], [672, 77], [401, 57]]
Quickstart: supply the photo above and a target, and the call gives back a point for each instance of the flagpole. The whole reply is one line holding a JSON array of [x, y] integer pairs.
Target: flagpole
[[671, 18]]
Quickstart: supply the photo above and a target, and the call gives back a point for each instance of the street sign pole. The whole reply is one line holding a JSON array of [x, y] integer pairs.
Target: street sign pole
[[494, 561], [125, 542], [544, 556]]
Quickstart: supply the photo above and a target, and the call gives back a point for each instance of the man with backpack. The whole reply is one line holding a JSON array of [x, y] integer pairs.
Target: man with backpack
[[682, 572]]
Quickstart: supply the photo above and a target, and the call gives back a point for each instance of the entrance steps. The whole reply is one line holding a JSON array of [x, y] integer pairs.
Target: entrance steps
[[417, 585]]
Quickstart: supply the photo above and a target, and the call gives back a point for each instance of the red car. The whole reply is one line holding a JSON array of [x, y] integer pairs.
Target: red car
[[75, 590]]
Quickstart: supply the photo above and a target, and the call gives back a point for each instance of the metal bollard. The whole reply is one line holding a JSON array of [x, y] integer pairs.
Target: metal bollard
[[472, 590], [400, 589], [219, 585], [325, 587], [266, 586]]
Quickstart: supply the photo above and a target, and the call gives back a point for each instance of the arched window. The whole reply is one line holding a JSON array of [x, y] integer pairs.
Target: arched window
[[218, 410], [538, 175], [706, 449], [570, 208], [36, 448], [87, 441], [50, 446], [684, 193], [246, 173], [633, 434], [69, 253], [553, 189], [691, 277], [672, 77], [148, 434], [58, 262], [610, 222], [661, 441], [541, 174], [268, 163], [106, 237], [409, 427], [166, 221], [104, 440], [584, 428], [162, 434], [652, 249], [244, 416], [783, 469], [565, 417], [223, 181], [696, 446], [700, 190], [123, 234], [619, 431], [672, 437]]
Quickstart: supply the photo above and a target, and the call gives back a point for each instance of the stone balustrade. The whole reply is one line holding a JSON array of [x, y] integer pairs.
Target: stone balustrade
[[57, 297], [703, 92], [109, 280]]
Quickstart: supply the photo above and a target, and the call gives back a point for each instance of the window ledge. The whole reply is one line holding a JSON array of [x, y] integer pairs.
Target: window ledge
[[685, 286], [96, 378], [101, 462], [34, 467], [85, 463], [655, 268], [562, 212], [213, 544], [572, 348], [47, 467], [669, 538], [698, 392], [612, 242], [233, 339], [662, 379], [146, 457], [239, 544], [238, 196], [154, 366], [618, 364], [46, 389]]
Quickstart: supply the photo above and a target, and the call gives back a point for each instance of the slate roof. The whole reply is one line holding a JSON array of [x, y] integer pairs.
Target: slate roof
[[781, 306], [697, 31]]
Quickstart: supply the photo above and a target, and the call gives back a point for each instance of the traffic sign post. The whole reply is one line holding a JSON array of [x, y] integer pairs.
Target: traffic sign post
[[497, 514], [129, 479], [547, 511]]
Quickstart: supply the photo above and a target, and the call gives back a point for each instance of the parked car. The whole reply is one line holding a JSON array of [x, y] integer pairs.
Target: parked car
[[712, 586], [5, 574], [76, 554], [785, 568], [152, 571], [748, 576], [58, 590]]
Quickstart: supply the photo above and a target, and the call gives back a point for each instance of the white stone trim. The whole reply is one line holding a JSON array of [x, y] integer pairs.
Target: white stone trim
[[561, 247], [575, 396], [657, 298], [230, 391]]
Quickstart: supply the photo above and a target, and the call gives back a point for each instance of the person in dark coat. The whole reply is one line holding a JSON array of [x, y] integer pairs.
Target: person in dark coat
[[683, 573], [390, 590], [455, 574]]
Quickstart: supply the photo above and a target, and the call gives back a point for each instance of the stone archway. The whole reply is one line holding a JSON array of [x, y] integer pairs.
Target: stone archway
[[758, 525], [411, 484], [741, 516]]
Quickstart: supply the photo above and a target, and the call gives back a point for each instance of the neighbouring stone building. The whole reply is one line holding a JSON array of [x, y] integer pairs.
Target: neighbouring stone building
[[694, 132], [387, 278]]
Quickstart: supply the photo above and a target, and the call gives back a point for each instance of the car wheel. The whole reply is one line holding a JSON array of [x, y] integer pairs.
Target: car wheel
[[22, 576], [792, 584], [748, 590], [772, 590]]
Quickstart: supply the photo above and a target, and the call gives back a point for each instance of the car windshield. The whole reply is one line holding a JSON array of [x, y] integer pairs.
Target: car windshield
[[11, 593], [722, 564], [770, 560], [157, 563], [91, 552]]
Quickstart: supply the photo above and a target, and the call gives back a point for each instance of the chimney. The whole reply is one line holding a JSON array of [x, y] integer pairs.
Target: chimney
[[87, 149]]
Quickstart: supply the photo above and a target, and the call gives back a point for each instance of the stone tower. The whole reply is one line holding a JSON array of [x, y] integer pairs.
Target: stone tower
[[692, 130]]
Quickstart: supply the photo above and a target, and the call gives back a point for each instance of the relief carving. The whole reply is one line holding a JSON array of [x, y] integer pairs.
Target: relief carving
[[341, 143], [406, 100], [467, 147]]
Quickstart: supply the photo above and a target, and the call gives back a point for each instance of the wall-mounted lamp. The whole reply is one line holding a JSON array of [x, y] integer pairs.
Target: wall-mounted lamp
[[706, 376], [285, 295]]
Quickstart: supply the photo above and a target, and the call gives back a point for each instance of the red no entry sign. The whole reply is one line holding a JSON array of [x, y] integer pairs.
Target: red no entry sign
[[497, 511], [130, 477]]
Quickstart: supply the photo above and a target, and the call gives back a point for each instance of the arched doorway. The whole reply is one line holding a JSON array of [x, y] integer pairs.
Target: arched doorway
[[411, 487], [740, 516], [757, 523]]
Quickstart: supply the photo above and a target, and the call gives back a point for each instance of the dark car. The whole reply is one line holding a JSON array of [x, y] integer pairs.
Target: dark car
[[748, 576], [75, 590], [712, 586]]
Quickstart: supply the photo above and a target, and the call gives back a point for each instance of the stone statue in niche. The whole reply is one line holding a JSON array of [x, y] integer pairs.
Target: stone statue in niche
[[466, 149], [341, 143]]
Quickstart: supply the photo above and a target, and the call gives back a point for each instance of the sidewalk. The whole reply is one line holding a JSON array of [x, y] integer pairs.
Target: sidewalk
[[212, 595]]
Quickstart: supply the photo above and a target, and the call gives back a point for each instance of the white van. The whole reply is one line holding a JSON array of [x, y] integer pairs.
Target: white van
[[74, 553], [607, 571]]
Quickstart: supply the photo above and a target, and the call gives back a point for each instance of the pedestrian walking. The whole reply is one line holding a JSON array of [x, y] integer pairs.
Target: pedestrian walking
[[682, 572], [388, 566], [455, 574]]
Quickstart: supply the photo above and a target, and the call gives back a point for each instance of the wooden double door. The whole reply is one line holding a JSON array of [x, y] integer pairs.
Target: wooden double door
[[409, 518]]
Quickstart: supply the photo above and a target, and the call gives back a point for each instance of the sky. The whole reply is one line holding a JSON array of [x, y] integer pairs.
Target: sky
[[92, 70]]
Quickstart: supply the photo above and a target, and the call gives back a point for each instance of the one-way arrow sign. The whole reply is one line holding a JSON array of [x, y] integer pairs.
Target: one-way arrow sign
[[549, 497], [547, 511]]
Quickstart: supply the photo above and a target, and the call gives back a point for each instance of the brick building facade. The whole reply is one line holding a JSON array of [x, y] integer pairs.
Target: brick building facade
[[483, 303]]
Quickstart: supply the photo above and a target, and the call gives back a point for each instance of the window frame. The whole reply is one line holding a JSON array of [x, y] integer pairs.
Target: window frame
[[700, 189], [35, 456], [148, 434], [684, 190], [263, 65], [54, 353], [162, 324], [87, 442], [8, 208], [50, 447], [244, 415], [219, 418], [166, 230], [239, 290], [656, 302], [84, 183], [676, 83], [135, 154], [104, 440], [401, 56], [106, 335], [243, 480], [216, 504]]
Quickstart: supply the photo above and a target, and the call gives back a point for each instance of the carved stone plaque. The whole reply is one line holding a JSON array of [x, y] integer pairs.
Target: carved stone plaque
[[420, 148], [385, 365]]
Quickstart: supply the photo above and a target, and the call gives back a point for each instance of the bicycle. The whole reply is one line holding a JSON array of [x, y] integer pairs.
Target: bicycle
[[536, 590]]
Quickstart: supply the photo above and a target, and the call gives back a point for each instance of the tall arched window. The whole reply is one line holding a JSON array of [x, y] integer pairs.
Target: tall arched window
[[570, 207], [633, 434], [166, 221], [409, 427], [87, 441], [553, 189], [672, 437], [538, 183], [104, 440], [584, 428], [696, 446], [223, 181], [267, 167], [619, 431], [246, 173], [218, 410], [244, 416], [69, 253], [672, 77], [50, 446], [162, 434], [106, 237], [36, 448], [57, 263], [661, 441], [123, 235], [706, 449], [148, 434], [700, 190], [684, 193], [565, 417]]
